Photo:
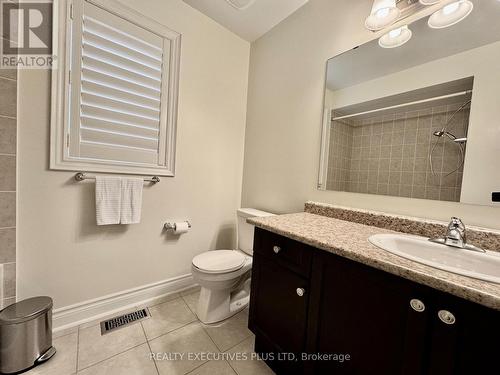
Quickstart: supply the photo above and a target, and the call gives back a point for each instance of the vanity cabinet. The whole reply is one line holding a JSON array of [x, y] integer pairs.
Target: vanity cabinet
[[280, 299], [306, 300], [362, 312]]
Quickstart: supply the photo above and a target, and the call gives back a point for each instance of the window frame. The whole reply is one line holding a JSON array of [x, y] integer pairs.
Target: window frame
[[61, 94]]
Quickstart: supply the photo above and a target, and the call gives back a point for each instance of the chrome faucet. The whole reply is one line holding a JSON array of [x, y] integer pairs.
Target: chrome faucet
[[456, 236]]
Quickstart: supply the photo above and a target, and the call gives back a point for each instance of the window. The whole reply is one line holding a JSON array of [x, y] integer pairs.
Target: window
[[116, 102]]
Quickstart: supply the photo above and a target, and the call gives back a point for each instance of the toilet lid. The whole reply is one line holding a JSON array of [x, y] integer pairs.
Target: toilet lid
[[219, 261]]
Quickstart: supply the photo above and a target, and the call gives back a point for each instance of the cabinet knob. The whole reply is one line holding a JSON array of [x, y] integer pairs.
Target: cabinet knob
[[276, 249], [446, 317], [300, 292], [417, 305]]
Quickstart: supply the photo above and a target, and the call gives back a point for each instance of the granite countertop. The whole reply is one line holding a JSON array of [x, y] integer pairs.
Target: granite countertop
[[350, 240]]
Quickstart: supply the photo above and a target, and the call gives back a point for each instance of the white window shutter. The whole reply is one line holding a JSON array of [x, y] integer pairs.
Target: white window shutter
[[119, 90]]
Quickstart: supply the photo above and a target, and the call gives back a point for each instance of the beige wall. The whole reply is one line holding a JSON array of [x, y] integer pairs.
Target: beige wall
[[286, 86], [62, 253]]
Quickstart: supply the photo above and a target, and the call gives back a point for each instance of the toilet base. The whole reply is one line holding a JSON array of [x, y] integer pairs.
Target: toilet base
[[217, 305]]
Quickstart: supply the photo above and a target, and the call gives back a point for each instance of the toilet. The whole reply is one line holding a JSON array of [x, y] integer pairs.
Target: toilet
[[224, 275]]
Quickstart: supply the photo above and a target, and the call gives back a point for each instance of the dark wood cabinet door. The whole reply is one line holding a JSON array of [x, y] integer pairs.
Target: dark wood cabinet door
[[276, 310], [364, 313], [466, 344]]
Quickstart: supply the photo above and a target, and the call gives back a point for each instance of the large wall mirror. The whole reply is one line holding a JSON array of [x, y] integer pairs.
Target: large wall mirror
[[421, 120]]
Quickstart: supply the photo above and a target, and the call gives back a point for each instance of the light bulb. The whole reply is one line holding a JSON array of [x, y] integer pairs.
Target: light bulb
[[383, 14], [395, 38], [429, 2], [395, 33], [450, 8], [450, 14]]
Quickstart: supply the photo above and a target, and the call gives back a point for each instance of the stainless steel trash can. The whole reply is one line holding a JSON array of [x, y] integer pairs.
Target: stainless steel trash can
[[25, 334]]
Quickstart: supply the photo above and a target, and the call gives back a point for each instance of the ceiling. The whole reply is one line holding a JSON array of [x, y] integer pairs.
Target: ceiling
[[370, 61], [249, 23]]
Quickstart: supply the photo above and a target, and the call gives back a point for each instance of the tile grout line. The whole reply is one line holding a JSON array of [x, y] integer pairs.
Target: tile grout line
[[414, 159], [166, 333], [65, 334], [203, 326], [149, 346], [77, 347], [210, 337], [235, 345], [196, 368], [189, 307], [232, 368], [204, 363], [114, 355], [4, 77]]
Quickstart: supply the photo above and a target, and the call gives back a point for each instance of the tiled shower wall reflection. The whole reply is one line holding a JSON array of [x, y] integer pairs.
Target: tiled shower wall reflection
[[389, 155], [8, 111]]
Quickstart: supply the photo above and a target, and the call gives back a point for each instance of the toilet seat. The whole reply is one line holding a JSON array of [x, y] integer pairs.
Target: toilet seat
[[219, 261]]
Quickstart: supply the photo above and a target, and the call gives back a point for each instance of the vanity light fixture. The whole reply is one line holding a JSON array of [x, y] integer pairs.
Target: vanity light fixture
[[450, 14], [395, 38], [383, 14]]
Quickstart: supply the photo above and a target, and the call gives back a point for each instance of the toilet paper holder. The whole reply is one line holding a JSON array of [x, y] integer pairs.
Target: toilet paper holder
[[172, 226]]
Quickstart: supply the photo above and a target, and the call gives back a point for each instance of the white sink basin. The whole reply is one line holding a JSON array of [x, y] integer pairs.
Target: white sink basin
[[482, 266]]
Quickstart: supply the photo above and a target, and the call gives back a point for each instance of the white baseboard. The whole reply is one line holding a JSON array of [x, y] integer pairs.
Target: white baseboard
[[83, 312]]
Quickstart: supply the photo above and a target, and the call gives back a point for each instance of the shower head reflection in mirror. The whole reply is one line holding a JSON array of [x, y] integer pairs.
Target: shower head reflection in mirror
[[445, 135]]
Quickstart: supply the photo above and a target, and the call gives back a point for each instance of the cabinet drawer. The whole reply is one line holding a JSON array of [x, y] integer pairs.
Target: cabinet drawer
[[291, 254]]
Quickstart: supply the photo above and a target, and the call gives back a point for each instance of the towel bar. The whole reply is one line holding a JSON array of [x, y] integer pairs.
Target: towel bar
[[82, 176]]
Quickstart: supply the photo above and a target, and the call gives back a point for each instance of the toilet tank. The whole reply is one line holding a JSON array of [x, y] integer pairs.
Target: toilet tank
[[245, 230]]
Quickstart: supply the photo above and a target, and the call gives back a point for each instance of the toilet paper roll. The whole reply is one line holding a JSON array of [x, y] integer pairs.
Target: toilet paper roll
[[181, 227]]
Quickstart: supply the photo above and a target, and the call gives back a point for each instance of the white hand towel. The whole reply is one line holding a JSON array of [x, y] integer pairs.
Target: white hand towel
[[108, 200], [131, 200]]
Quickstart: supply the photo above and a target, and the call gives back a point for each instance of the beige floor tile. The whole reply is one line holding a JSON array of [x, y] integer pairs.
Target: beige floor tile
[[252, 365], [64, 361], [192, 300], [64, 332], [136, 361], [158, 300], [214, 368], [190, 290], [230, 332], [166, 317], [186, 343], [94, 348]]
